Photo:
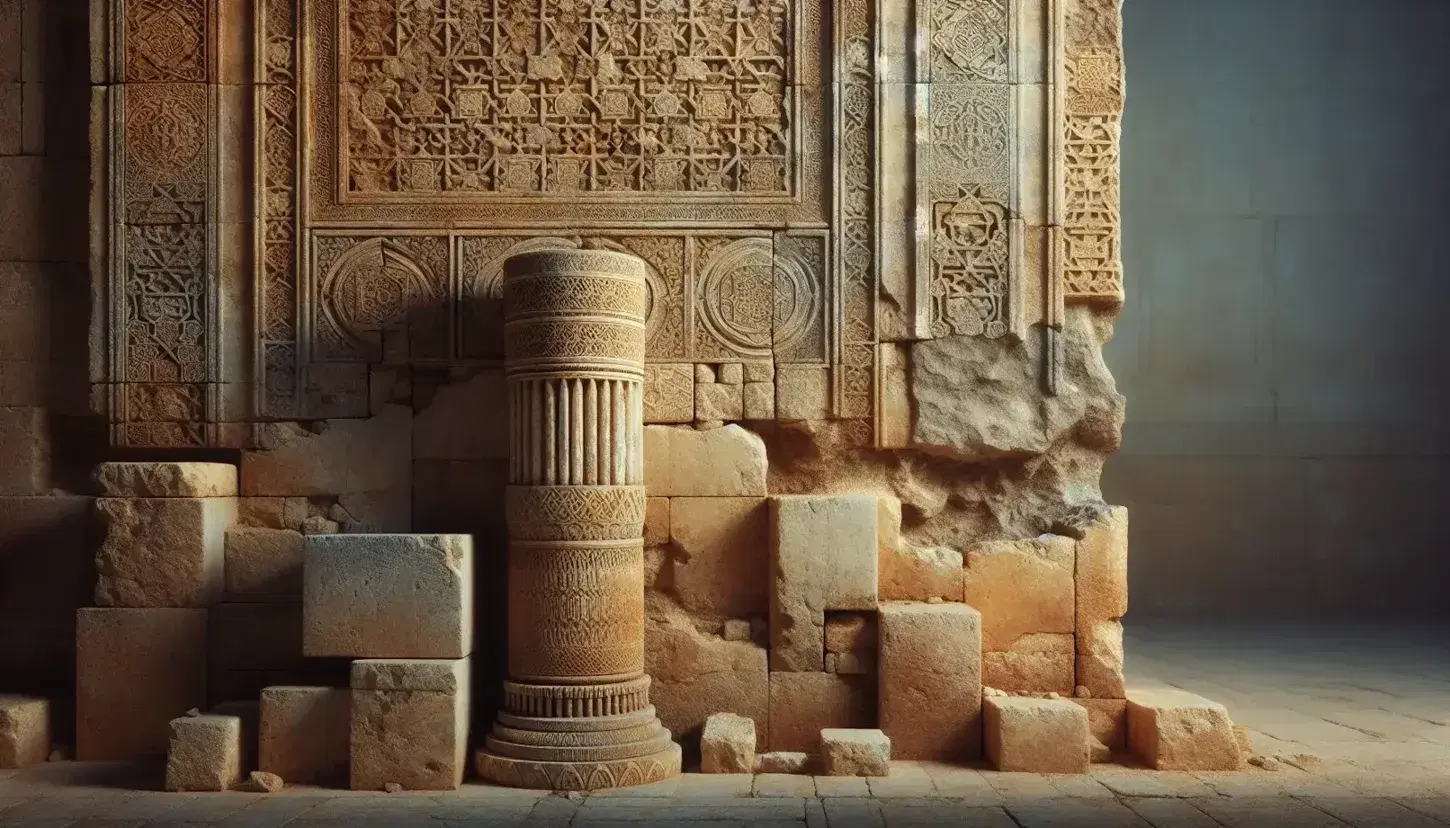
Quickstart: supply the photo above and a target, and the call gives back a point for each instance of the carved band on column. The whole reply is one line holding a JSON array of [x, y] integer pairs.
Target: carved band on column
[[574, 328]]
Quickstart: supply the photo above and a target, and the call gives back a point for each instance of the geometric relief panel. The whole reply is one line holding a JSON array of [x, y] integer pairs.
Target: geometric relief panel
[[381, 300]]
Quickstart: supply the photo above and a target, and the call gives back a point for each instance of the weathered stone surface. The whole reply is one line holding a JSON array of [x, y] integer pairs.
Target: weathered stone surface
[[263, 782], [930, 669], [855, 752], [851, 632], [1176, 730], [263, 565], [759, 400], [26, 289], [249, 712], [136, 670], [851, 664], [656, 521], [205, 753], [1100, 658], [804, 704], [716, 462], [1107, 722], [721, 551], [463, 420], [1102, 599], [162, 552], [273, 512], [1039, 663], [694, 675], [823, 551], [167, 479], [409, 724], [305, 734], [735, 629], [25, 445], [255, 636], [912, 573], [727, 744], [719, 401], [372, 455], [782, 761], [1036, 735], [388, 596], [802, 392], [1021, 587], [24, 731]]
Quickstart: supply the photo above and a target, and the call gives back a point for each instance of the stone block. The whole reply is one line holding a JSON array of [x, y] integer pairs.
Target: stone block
[[334, 457], [669, 393], [758, 372], [759, 400], [163, 552], [783, 761], [716, 462], [851, 632], [1021, 587], [136, 670], [851, 664], [388, 596], [1175, 730], [1036, 735], [694, 675], [256, 636], [47, 572], [249, 713], [409, 724], [1102, 600], [930, 680], [304, 736], [273, 512], [823, 555], [1039, 663], [24, 731], [804, 704], [25, 445], [1100, 666], [1107, 722], [727, 744], [167, 479], [263, 565], [464, 420], [205, 753], [25, 314], [718, 401], [731, 373], [802, 392], [720, 555], [656, 521], [912, 573], [855, 752]]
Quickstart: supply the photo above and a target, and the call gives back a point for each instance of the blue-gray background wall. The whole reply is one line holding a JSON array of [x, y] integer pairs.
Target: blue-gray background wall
[[1284, 348]]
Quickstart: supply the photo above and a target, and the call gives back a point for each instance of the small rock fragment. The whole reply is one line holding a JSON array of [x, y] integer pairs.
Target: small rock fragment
[[992, 693], [782, 761], [727, 744], [737, 629], [1101, 753], [1082, 692], [855, 752], [392, 787], [263, 782], [1268, 763]]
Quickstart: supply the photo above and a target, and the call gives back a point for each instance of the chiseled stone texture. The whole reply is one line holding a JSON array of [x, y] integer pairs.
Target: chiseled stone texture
[[409, 723], [656, 521], [804, 704], [305, 734], [388, 596], [1102, 600], [205, 753], [136, 670], [718, 462], [1021, 587], [167, 479], [727, 744], [782, 761], [162, 552], [24, 731], [1175, 730], [1036, 663], [721, 554], [823, 555], [855, 752], [336, 457], [930, 680], [912, 573], [694, 675], [1036, 735], [264, 565], [25, 445]]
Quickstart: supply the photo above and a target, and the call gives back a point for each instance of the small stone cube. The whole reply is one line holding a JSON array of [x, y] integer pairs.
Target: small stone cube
[[851, 752], [167, 479], [409, 723], [24, 731], [304, 734], [205, 753], [1174, 730], [759, 372], [727, 744], [163, 552], [1033, 735]]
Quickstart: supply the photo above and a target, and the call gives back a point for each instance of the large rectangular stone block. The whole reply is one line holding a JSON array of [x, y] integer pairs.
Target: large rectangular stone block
[[25, 445], [1036, 735], [409, 723], [823, 551], [1175, 730], [162, 552], [24, 731], [388, 596], [136, 670], [725, 552], [305, 734], [804, 704], [167, 479], [1102, 601], [264, 565], [1021, 587], [342, 456], [717, 462], [930, 680], [1036, 663], [694, 675]]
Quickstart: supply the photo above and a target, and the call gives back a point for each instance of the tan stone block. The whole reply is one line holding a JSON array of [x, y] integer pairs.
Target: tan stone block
[[735, 629], [205, 753], [759, 400], [718, 462], [25, 445], [1036, 735], [255, 636], [1040, 663], [263, 565], [930, 680], [851, 632], [272, 512], [136, 670], [1021, 587], [669, 393], [783, 761], [911, 573], [717, 401], [759, 372], [804, 704], [802, 392], [1102, 599], [704, 374], [855, 752], [894, 368], [1176, 730], [656, 521], [163, 552], [731, 373], [167, 479], [371, 455], [694, 675], [1107, 722], [1100, 665], [727, 744], [24, 731], [823, 554], [466, 420], [409, 724], [249, 712], [851, 664], [304, 734], [721, 555], [388, 596]]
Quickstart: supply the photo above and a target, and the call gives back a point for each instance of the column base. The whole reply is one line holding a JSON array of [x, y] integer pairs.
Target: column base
[[580, 775]]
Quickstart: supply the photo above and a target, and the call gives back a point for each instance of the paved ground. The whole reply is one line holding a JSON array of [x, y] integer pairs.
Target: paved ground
[[1372, 704]]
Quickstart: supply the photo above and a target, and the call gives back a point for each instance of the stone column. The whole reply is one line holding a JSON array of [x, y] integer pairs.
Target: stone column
[[576, 708]]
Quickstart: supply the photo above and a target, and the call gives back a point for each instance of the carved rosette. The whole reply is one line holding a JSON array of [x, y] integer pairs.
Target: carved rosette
[[574, 332]]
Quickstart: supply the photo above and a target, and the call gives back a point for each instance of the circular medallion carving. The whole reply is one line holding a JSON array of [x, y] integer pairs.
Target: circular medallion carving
[[166, 130], [754, 302], [371, 289]]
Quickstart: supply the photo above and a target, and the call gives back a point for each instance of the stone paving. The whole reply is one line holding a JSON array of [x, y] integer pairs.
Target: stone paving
[[1360, 716]]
